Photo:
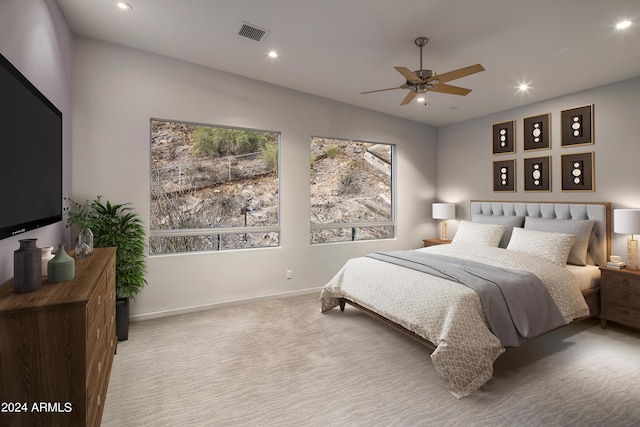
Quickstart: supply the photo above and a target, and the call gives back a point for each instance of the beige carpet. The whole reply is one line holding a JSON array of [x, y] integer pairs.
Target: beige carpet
[[283, 363]]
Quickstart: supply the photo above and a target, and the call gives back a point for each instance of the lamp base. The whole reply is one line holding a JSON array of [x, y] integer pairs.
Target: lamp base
[[443, 232], [632, 254]]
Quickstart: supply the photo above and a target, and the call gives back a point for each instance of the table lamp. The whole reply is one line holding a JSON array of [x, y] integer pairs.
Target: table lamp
[[443, 211], [627, 221]]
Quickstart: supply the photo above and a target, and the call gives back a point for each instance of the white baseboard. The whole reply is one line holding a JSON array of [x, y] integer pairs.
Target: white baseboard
[[193, 309]]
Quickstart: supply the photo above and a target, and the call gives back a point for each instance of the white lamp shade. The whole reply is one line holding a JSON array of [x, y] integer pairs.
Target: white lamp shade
[[626, 221], [443, 211]]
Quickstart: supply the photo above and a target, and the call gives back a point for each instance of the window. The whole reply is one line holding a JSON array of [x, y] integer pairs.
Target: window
[[351, 190], [212, 188]]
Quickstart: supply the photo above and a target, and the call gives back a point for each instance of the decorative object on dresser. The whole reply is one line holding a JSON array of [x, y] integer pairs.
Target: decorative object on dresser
[[443, 212], [627, 221], [504, 137], [536, 132], [58, 345], [62, 267], [620, 296], [46, 257], [577, 126], [434, 242], [27, 267], [577, 172], [120, 226]]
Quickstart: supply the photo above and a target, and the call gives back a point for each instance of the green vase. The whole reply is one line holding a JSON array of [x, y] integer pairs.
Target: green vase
[[62, 267]]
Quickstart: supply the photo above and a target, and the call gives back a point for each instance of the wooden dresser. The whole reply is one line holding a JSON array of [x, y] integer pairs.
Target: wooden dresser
[[57, 345], [620, 296]]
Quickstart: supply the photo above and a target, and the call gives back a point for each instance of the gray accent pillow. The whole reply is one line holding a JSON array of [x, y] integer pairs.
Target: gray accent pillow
[[581, 228], [508, 221]]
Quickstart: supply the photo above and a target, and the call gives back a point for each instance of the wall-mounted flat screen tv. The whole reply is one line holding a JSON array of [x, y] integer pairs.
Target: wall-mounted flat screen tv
[[30, 155]]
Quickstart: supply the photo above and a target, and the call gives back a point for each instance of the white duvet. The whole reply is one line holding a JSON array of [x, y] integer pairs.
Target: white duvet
[[447, 313]]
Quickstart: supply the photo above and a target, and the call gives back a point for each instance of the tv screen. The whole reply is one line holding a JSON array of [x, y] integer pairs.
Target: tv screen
[[30, 155]]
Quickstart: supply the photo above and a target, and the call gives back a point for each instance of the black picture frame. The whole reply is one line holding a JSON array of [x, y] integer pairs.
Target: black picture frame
[[504, 137], [537, 174], [504, 175], [578, 172], [537, 132], [577, 126]]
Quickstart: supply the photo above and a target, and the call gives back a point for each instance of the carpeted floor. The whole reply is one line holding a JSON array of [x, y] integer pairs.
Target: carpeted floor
[[283, 363]]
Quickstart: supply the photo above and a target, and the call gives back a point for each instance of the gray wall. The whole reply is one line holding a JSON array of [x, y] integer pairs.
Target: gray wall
[[117, 90], [35, 38], [465, 153]]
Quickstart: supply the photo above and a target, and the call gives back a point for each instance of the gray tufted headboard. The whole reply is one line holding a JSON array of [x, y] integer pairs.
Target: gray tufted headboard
[[600, 244]]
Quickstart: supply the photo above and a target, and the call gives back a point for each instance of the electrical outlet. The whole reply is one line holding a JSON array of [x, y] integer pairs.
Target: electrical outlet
[[289, 274]]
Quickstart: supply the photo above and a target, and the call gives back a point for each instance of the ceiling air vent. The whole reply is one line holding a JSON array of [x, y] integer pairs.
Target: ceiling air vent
[[253, 32]]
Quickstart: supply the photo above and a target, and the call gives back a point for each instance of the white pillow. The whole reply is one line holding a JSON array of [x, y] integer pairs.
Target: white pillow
[[508, 221], [553, 247], [479, 234], [581, 228]]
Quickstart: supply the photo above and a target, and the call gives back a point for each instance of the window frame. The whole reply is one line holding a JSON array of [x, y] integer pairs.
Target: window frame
[[368, 224], [188, 232]]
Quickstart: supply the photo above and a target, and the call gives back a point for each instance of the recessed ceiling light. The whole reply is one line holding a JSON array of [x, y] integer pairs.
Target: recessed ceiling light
[[124, 6], [623, 24], [273, 54], [523, 87]]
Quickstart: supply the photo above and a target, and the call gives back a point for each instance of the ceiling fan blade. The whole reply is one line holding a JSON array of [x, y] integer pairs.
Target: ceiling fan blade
[[452, 90], [456, 74], [407, 99], [381, 90], [409, 75]]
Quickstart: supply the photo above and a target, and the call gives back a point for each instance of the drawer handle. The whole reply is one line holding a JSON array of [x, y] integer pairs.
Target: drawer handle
[[625, 312], [625, 298], [98, 400], [99, 367], [99, 298], [98, 333], [625, 282]]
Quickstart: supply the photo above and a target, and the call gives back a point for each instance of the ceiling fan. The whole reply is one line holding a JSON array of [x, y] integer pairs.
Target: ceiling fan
[[422, 81]]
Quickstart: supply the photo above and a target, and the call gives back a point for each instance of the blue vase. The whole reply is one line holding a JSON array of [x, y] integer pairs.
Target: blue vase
[[62, 267]]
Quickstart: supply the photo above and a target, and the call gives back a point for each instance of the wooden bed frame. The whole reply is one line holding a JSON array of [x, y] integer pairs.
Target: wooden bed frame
[[552, 210]]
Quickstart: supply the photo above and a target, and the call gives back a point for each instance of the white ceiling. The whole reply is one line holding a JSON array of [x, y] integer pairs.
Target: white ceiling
[[339, 48]]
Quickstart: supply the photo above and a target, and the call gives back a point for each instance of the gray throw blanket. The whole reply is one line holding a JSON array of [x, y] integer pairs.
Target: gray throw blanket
[[516, 303]]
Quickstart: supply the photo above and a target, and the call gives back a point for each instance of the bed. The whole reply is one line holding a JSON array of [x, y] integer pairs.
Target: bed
[[470, 300]]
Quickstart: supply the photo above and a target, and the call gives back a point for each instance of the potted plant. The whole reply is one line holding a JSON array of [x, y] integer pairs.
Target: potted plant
[[120, 226]]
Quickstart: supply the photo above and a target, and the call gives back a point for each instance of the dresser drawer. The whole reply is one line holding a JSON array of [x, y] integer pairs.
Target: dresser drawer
[[621, 296], [623, 281], [621, 314]]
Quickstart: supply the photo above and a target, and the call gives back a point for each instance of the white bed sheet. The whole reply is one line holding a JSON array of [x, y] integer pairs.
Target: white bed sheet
[[586, 276]]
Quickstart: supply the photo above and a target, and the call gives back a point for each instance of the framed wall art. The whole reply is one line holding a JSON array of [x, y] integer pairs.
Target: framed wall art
[[578, 172], [537, 133], [577, 126], [504, 175], [504, 137], [537, 174]]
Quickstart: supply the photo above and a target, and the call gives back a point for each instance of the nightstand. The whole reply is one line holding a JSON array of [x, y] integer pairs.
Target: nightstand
[[435, 242], [620, 296]]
